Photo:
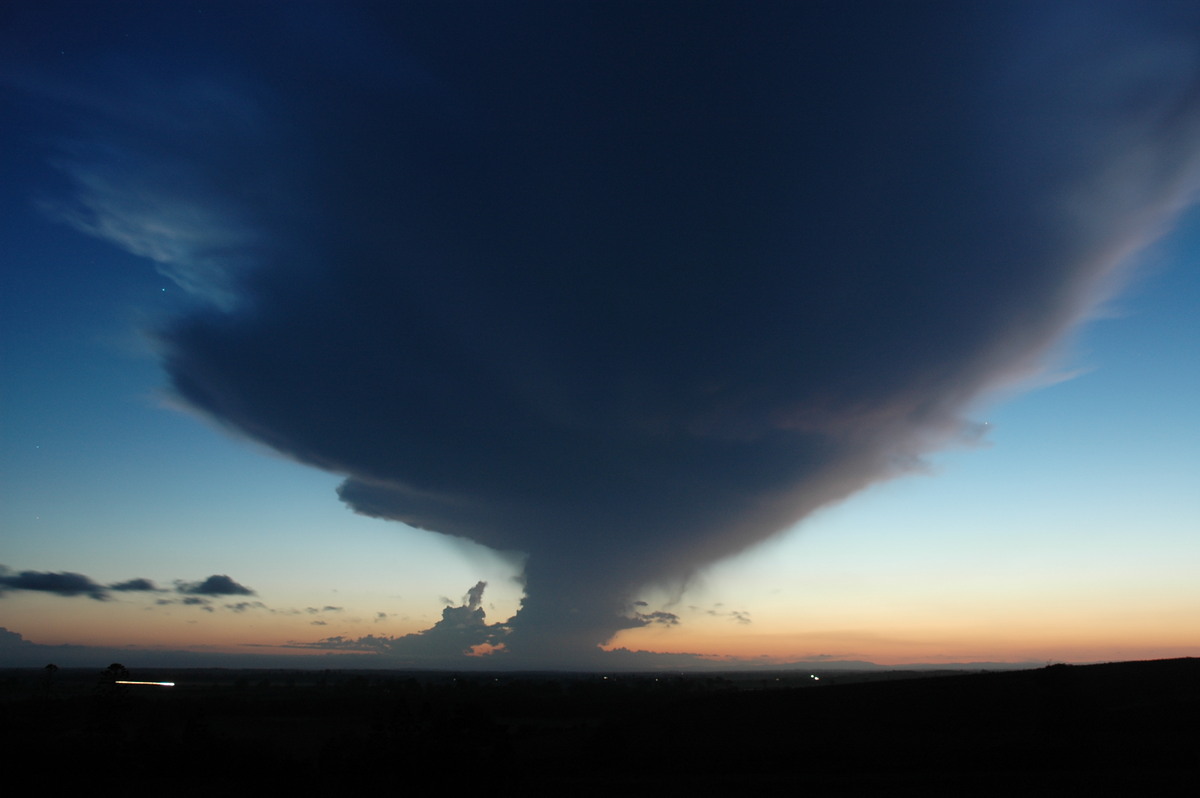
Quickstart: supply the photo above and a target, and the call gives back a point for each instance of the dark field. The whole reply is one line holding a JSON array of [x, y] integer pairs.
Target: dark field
[[1115, 729]]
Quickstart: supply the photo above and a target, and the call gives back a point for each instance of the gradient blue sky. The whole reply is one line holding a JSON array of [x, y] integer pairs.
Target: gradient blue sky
[[1068, 532]]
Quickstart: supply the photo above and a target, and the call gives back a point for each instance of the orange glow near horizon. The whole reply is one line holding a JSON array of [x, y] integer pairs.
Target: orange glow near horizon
[[1055, 634], [968, 631]]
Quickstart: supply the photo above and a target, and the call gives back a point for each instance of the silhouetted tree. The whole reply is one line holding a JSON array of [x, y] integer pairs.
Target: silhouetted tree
[[48, 676], [114, 673]]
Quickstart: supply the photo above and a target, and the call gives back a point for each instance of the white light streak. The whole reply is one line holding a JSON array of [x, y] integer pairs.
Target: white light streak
[[157, 684]]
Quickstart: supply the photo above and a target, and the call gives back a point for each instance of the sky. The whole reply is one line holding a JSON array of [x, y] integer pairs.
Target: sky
[[588, 335]]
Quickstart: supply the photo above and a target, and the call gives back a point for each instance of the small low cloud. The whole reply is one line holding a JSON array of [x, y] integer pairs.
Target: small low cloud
[[215, 585], [136, 586], [71, 584], [366, 643], [718, 611], [659, 617], [61, 583], [462, 631], [242, 606]]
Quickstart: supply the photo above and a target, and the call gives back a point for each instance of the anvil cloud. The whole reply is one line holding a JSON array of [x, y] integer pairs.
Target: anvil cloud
[[629, 288]]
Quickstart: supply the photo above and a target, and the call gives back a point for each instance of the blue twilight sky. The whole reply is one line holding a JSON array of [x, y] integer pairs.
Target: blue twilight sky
[[1052, 514]]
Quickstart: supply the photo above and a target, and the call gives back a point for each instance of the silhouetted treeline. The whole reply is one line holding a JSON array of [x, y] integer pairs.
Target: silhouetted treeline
[[1052, 730]]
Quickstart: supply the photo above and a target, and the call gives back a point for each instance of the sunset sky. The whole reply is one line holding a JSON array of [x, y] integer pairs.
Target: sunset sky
[[812, 332]]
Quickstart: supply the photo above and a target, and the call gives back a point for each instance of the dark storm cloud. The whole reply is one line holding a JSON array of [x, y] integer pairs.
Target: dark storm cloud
[[628, 287], [215, 585]]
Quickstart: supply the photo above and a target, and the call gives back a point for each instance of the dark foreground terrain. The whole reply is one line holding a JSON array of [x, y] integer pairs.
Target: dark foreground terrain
[[1117, 729]]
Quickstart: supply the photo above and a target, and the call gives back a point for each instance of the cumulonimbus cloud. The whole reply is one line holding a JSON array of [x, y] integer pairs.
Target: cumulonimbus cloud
[[633, 287]]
